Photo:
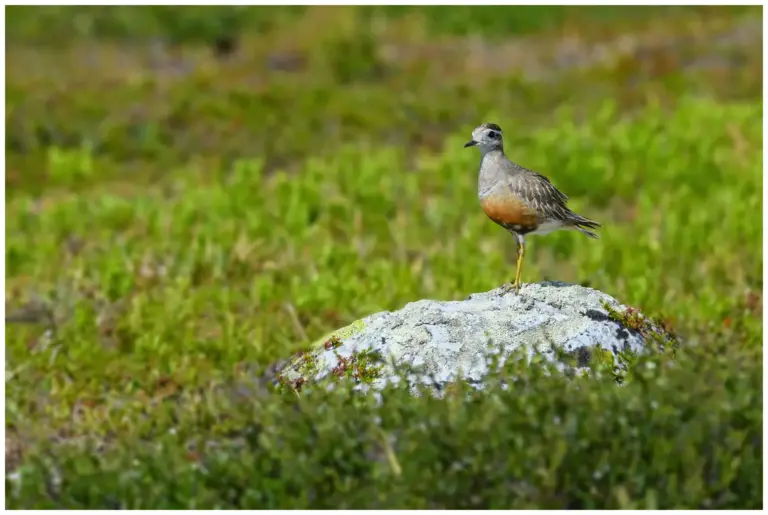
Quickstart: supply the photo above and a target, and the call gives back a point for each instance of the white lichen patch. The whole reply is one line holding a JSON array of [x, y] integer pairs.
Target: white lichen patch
[[442, 341]]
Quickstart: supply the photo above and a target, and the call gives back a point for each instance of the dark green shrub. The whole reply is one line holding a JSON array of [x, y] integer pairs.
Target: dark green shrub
[[684, 436]]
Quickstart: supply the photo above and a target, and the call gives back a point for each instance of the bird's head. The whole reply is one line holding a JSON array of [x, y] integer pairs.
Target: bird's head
[[487, 137]]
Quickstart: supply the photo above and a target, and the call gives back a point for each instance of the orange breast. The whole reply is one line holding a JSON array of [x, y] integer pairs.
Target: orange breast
[[509, 211]]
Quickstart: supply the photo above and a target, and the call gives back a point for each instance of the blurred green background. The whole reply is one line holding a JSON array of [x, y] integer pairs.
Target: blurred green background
[[193, 193]]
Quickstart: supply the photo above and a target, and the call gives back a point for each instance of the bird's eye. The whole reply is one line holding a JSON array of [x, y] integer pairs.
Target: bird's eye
[[493, 135]]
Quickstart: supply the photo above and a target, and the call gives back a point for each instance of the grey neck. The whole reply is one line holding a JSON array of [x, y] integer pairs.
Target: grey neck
[[492, 169], [491, 149]]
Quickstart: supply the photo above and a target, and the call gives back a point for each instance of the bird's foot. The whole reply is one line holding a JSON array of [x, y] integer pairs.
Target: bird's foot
[[511, 287]]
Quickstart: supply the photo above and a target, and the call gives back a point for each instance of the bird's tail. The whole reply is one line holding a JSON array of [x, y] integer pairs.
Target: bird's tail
[[583, 224]]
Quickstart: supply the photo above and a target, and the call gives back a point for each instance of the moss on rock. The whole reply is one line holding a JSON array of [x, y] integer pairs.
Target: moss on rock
[[340, 334]]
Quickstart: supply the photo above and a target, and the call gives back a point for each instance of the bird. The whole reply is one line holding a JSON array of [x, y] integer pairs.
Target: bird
[[520, 200]]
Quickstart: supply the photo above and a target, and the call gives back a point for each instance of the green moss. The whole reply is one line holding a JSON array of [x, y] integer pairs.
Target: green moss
[[335, 337], [593, 360], [657, 337], [362, 367], [309, 366], [654, 330], [334, 342]]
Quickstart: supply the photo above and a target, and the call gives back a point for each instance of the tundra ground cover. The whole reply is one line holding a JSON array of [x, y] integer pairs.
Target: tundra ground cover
[[194, 194]]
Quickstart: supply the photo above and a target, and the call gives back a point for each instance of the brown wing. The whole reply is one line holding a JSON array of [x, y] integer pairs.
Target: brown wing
[[547, 184], [540, 195]]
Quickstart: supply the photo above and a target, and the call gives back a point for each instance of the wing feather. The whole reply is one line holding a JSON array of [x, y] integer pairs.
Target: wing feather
[[538, 197], [540, 194]]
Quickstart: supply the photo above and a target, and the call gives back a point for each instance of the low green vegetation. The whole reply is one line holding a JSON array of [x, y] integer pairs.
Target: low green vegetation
[[180, 217]]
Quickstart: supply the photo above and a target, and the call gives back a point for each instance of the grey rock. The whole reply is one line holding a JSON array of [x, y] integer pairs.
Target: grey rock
[[437, 342]]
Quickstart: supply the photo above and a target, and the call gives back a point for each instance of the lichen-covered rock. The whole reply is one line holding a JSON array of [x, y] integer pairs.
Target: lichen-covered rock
[[441, 341]]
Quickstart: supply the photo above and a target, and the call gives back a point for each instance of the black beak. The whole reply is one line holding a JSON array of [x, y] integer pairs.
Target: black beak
[[470, 144]]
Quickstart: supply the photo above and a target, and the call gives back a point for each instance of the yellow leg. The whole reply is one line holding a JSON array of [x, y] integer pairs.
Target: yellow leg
[[520, 255], [517, 283]]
